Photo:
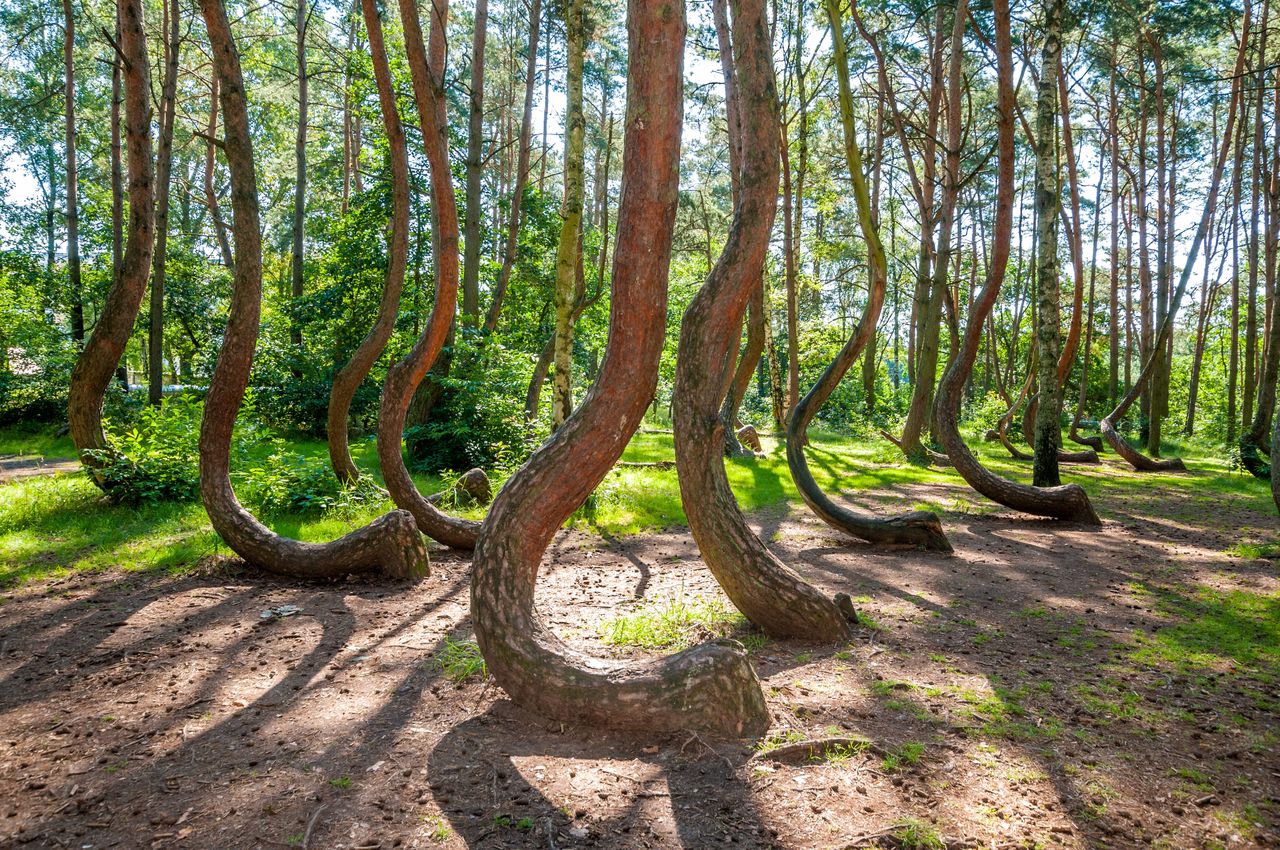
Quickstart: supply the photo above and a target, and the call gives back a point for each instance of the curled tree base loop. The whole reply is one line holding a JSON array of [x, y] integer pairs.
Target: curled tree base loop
[[1137, 459], [404, 377], [390, 544], [1068, 501], [709, 688], [767, 591]]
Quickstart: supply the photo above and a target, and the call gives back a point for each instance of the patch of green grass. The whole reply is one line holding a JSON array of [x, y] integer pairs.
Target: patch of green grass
[[459, 660], [40, 440], [772, 741], [341, 782], [840, 754], [903, 755], [672, 623], [1255, 550], [437, 828], [916, 834], [1215, 628]]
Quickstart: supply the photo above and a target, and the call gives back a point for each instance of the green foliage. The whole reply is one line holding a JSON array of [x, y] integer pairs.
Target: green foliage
[[460, 660], [672, 623], [479, 419], [154, 458], [286, 481]]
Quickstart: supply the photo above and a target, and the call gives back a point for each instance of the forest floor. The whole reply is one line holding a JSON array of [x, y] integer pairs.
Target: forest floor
[[1045, 686]]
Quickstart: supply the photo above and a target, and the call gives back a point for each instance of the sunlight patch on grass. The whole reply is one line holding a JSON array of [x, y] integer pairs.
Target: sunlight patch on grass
[[673, 623]]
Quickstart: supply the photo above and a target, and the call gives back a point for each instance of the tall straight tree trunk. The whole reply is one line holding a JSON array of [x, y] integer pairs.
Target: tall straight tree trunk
[[92, 372], [300, 172], [1113, 259], [164, 171], [475, 172], [546, 109], [1048, 433], [514, 217], [1255, 209], [574, 173], [73, 196], [1233, 362], [117, 182]]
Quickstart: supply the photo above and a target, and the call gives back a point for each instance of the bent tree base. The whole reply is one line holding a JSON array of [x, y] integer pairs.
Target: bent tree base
[[391, 544], [710, 688], [769, 593]]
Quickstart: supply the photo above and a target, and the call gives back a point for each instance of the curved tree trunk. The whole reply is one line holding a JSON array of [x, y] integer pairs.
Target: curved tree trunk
[[1068, 501], [390, 544], [919, 528], [93, 371], [1141, 462], [769, 593], [750, 357], [710, 687], [349, 378], [404, 377]]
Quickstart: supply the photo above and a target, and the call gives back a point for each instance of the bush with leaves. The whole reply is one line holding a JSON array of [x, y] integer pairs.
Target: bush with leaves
[[289, 482], [154, 457]]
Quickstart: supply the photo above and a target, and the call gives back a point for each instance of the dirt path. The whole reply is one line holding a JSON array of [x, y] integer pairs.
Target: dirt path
[[1013, 695], [13, 467]]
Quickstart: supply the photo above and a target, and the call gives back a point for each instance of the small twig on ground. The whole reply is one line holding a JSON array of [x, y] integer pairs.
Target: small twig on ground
[[311, 825], [694, 736]]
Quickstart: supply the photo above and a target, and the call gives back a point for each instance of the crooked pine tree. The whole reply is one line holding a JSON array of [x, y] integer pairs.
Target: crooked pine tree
[[710, 687]]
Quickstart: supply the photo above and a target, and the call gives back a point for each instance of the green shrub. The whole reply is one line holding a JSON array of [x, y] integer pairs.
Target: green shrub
[[155, 457]]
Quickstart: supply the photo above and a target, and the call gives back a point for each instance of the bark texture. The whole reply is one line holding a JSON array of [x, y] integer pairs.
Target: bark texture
[[711, 687], [1048, 431], [404, 377], [93, 371], [568, 252], [349, 378], [390, 544], [769, 593], [917, 528], [1068, 501]]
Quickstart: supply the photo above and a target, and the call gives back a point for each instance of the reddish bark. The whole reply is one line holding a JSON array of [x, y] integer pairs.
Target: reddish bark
[[390, 544], [404, 377], [710, 687], [93, 371], [349, 378], [762, 587], [1067, 501]]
